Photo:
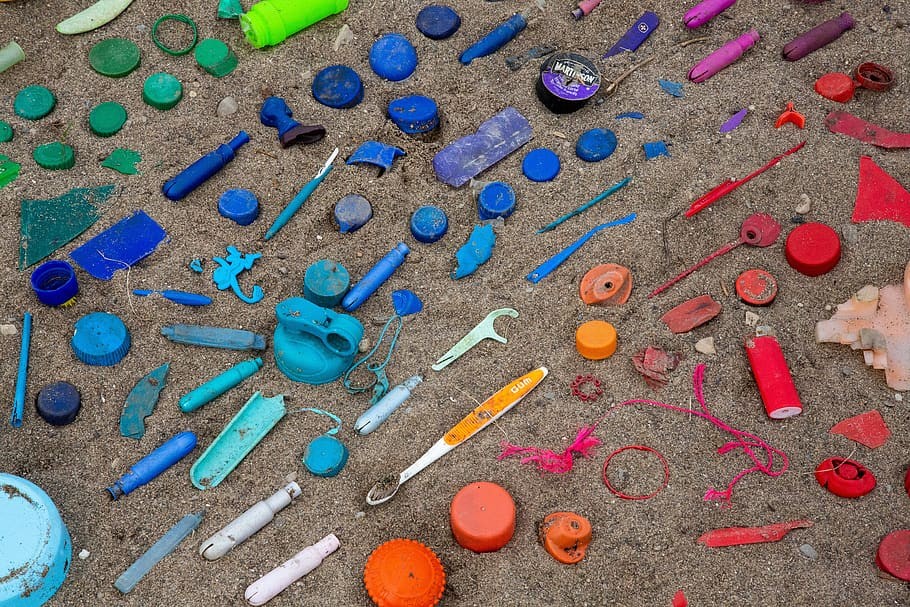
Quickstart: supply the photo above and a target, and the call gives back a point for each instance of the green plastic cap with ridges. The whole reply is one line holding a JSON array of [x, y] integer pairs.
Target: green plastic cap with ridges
[[34, 102], [106, 119], [162, 91], [114, 57], [54, 156], [215, 57], [6, 132], [270, 22]]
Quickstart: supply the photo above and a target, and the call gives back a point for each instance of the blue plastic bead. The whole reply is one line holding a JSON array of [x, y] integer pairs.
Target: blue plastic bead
[[496, 199], [100, 339], [352, 212], [596, 145], [58, 403], [438, 22], [414, 114], [54, 282], [325, 283], [241, 206], [541, 165], [393, 57], [325, 456], [429, 224], [338, 86]]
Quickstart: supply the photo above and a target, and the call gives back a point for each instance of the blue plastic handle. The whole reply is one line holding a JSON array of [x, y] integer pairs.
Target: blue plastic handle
[[495, 40]]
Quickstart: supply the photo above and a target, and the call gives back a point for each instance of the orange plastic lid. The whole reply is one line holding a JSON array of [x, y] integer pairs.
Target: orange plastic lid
[[608, 284], [596, 340], [482, 516], [404, 573], [566, 536]]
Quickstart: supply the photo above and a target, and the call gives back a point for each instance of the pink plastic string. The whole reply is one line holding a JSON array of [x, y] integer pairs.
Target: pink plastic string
[[585, 442]]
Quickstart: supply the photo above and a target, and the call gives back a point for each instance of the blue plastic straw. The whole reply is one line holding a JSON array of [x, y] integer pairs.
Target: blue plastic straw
[[15, 419], [160, 549], [613, 188]]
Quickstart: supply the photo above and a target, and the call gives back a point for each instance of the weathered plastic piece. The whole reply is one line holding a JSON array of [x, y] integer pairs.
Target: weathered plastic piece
[[734, 121], [845, 477], [377, 154], [739, 536], [178, 187], [723, 57], [93, 17], [229, 9], [704, 11], [772, 376], [160, 549], [352, 212], [270, 22], [123, 161], [857, 128], [9, 170], [406, 302], [817, 37], [15, 419], [127, 242], [229, 269], [485, 329], [495, 139], [181, 297], [214, 337], [608, 284], [691, 314], [249, 523], [272, 583], [603, 195], [241, 435], [276, 113], [149, 467], [566, 536], [219, 384], [301, 197], [373, 417], [636, 35], [655, 365], [868, 429], [655, 149], [10, 55], [475, 252], [375, 278], [496, 39], [141, 402]]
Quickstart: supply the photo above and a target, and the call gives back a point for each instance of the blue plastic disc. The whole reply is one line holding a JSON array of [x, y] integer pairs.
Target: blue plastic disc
[[414, 114], [325, 456], [438, 22], [352, 212], [338, 86], [325, 283], [496, 199], [58, 403], [100, 339], [596, 145], [393, 57], [54, 282], [429, 224], [241, 206], [541, 165]]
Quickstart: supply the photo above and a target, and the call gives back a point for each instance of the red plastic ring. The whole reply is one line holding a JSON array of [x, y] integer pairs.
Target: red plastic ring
[[626, 496], [874, 77], [583, 380]]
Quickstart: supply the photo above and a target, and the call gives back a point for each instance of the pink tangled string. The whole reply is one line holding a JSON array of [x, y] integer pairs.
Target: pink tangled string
[[585, 442]]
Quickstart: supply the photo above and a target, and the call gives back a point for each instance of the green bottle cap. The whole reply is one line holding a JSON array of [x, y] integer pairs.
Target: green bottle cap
[[162, 91], [34, 102], [114, 57], [215, 57], [106, 119], [6, 132], [54, 156]]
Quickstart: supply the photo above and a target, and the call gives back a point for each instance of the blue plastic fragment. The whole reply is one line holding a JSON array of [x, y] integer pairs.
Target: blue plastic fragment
[[476, 252], [160, 549], [495, 139], [671, 88], [152, 465], [541, 164], [636, 35], [352, 212], [225, 275], [120, 246], [181, 297], [214, 337], [241, 206], [497, 38], [141, 401], [375, 277], [496, 199], [376, 153], [414, 114], [393, 57], [596, 145], [196, 266], [406, 302], [325, 456], [734, 121], [338, 86], [630, 115], [437, 22], [655, 149], [429, 224]]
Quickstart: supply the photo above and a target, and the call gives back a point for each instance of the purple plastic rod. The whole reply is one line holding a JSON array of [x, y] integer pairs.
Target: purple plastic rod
[[704, 11], [817, 37], [723, 56]]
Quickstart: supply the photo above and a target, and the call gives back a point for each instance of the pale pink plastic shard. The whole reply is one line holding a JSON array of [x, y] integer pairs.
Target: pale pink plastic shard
[[876, 321]]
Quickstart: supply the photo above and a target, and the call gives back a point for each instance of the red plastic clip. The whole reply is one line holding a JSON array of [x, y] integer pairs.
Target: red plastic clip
[[845, 477], [792, 116], [590, 395]]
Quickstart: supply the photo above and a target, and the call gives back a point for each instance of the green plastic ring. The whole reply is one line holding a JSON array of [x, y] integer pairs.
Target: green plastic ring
[[181, 19]]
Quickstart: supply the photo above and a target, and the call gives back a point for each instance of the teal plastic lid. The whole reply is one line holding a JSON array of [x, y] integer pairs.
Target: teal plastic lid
[[106, 119], [35, 546], [34, 102], [54, 156], [215, 57], [162, 91], [325, 456]]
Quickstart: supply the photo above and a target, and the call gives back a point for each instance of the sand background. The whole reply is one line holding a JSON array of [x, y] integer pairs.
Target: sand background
[[642, 551]]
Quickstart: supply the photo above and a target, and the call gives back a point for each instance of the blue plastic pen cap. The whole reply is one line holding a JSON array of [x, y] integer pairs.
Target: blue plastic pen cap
[[100, 339], [429, 224], [496, 199], [241, 206], [54, 282], [58, 403]]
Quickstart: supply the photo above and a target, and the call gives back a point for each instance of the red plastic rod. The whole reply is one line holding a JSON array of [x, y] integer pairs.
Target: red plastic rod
[[738, 536]]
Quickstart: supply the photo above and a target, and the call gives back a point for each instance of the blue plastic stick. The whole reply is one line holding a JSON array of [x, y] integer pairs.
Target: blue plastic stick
[[160, 549], [375, 278], [496, 39], [181, 297], [153, 464], [547, 267], [610, 190], [15, 419], [301, 197], [190, 178]]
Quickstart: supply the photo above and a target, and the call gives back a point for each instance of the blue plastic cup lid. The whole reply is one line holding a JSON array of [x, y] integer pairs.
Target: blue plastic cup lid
[[54, 282], [241, 206], [541, 164], [325, 456], [100, 339], [429, 224], [414, 114], [496, 199], [338, 86], [393, 57], [437, 21], [596, 145], [58, 403]]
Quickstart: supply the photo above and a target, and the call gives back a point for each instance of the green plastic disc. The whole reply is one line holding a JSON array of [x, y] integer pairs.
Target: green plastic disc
[[54, 156], [215, 57], [106, 119], [6, 132], [114, 57], [162, 91], [34, 102]]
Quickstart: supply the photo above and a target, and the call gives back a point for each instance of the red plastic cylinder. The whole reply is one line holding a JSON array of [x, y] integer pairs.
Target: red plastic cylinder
[[769, 367]]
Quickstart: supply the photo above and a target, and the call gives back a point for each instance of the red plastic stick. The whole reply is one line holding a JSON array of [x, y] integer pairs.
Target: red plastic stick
[[737, 536]]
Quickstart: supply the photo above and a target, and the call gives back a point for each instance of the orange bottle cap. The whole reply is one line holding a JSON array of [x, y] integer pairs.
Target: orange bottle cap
[[608, 284], [482, 516], [566, 536], [404, 573], [596, 340]]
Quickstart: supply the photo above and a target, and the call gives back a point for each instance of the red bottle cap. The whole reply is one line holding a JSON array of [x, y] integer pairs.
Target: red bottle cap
[[813, 249], [756, 287], [893, 554], [845, 477], [482, 517], [836, 86]]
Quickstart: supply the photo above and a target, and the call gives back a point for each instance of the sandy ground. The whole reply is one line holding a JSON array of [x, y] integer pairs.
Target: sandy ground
[[642, 552]]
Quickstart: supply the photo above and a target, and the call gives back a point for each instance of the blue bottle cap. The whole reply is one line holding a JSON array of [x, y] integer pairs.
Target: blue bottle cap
[[54, 282], [414, 114], [429, 224], [596, 145], [541, 165], [496, 199], [325, 456], [325, 283], [338, 86], [241, 206], [393, 57], [100, 339], [438, 22], [352, 212], [58, 403]]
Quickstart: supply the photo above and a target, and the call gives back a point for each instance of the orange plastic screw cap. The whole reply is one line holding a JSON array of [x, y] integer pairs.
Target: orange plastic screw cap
[[482, 516], [404, 573], [596, 340], [608, 284], [566, 536]]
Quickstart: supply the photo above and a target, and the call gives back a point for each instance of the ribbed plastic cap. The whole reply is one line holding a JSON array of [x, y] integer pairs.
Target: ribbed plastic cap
[[54, 156], [114, 57], [54, 282], [429, 224], [812, 249], [482, 516], [496, 199], [404, 573], [241, 206], [34, 102], [100, 339], [58, 403], [596, 340], [215, 57], [414, 114], [325, 456], [338, 86], [162, 91], [541, 164], [106, 119]]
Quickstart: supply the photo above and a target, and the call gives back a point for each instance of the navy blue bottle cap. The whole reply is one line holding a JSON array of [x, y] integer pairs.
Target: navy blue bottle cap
[[429, 224], [54, 282], [596, 145], [338, 86], [393, 57], [540, 165], [325, 283], [496, 199], [100, 339], [325, 456], [240, 205], [352, 212], [414, 114], [438, 22], [58, 403]]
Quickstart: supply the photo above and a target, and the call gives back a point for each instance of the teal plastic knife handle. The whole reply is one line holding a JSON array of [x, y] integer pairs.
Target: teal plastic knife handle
[[296, 203], [219, 384], [160, 549]]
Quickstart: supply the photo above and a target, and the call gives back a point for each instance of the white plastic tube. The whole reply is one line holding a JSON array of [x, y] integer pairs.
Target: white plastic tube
[[268, 586], [378, 413], [10, 55]]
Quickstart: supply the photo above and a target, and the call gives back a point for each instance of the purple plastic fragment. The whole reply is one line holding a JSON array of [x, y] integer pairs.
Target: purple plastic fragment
[[120, 246], [734, 121], [495, 139]]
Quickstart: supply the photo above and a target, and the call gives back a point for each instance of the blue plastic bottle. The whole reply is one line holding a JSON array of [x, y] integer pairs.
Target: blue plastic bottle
[[149, 467]]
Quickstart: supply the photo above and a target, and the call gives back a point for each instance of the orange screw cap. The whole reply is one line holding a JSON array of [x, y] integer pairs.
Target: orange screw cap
[[566, 536], [404, 573], [596, 340], [608, 284], [482, 516]]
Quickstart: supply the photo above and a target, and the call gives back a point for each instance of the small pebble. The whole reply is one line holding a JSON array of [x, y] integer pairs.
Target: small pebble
[[364, 345], [850, 234], [752, 319], [805, 204], [898, 397], [282, 270], [84, 554], [706, 346], [808, 552], [227, 107], [8, 330]]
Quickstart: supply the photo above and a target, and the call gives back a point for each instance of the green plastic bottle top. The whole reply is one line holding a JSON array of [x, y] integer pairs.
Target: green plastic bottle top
[[215, 57], [6, 132], [269, 22], [162, 91], [114, 57], [54, 156], [34, 102], [106, 119]]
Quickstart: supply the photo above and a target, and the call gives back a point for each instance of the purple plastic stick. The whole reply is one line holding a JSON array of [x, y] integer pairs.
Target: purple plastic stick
[[704, 11], [817, 37], [734, 121], [723, 57]]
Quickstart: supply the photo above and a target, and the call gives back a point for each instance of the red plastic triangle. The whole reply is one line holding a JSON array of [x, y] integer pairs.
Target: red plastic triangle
[[867, 429], [879, 196]]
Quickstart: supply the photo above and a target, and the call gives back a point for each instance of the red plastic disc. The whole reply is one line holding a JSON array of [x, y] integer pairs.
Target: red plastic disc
[[813, 249], [756, 287], [893, 554], [836, 86]]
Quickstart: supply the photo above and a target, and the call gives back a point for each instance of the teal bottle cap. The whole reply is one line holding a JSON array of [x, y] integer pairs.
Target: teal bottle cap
[[6, 132], [162, 91], [106, 119], [34, 102], [100, 339], [215, 57], [325, 283], [54, 156], [325, 456], [114, 57]]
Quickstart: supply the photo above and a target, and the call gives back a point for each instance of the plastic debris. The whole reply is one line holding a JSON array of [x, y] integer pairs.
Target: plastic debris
[[218, 385], [406, 302], [54, 156], [34, 102], [584, 8], [495, 39], [636, 35], [734, 121], [541, 164], [238, 205], [567, 82], [867, 428], [229, 9], [691, 314], [812, 249], [482, 517], [437, 22], [375, 277], [325, 283], [496, 199], [566, 536], [152, 465], [337, 86], [485, 329], [393, 57], [373, 417], [792, 116], [608, 284], [551, 264], [15, 419], [639, 496], [845, 477], [352, 212], [672, 88], [10, 55], [271, 22], [302, 196], [229, 269], [817, 37], [9, 170], [414, 114], [703, 12], [630, 116], [180, 297], [276, 113], [879, 196], [404, 572], [93, 17], [596, 340], [893, 554], [141, 401], [377, 154], [100, 339], [475, 252], [535, 52], [160, 549], [586, 388], [272, 583], [679, 599], [739, 536], [756, 287], [655, 149], [127, 242], [195, 265], [722, 57], [214, 337], [857, 128], [595, 145], [59, 403], [190, 178], [655, 364], [772, 375], [429, 223]]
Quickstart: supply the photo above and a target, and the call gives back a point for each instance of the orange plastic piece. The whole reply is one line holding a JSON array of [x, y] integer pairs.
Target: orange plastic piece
[[482, 516], [566, 536], [608, 284], [792, 116], [596, 340], [404, 573]]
